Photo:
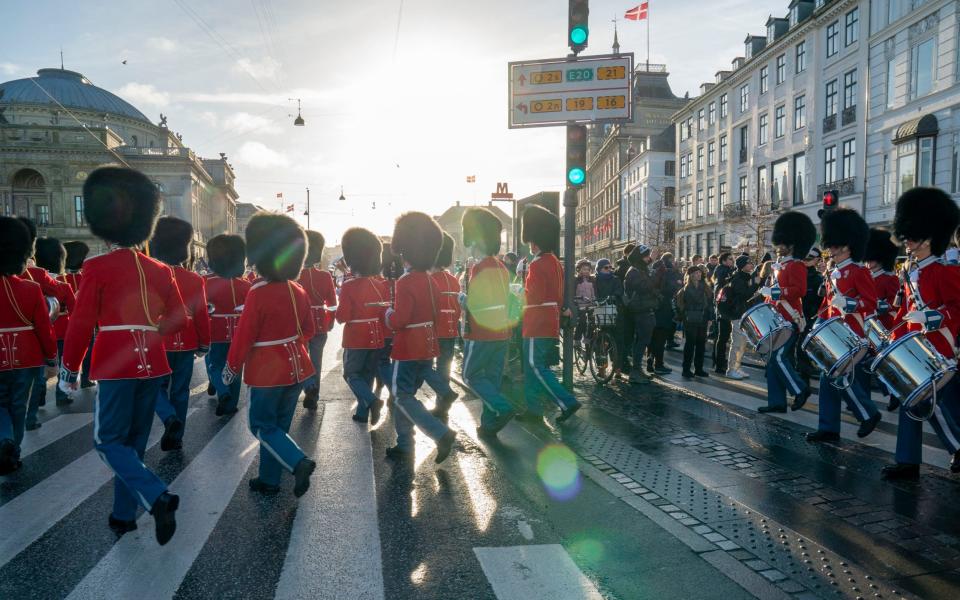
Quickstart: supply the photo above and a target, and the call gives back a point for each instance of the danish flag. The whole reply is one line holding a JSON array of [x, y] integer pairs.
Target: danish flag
[[638, 13]]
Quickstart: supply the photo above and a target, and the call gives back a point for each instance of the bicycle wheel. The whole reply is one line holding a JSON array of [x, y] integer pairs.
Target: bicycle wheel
[[604, 356], [581, 356]]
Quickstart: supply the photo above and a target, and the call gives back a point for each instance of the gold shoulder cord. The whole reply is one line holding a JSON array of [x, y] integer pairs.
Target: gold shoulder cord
[[143, 288], [13, 302], [296, 315]]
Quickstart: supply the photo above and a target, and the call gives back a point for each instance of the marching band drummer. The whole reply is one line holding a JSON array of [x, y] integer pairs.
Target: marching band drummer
[[881, 259], [925, 220], [320, 288], [76, 253], [793, 236], [448, 324], [852, 296]]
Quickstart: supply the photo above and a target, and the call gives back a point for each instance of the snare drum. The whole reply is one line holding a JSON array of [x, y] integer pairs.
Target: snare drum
[[911, 368], [765, 328], [876, 333], [835, 348]]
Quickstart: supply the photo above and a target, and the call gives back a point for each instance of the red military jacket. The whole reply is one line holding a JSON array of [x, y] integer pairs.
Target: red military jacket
[[448, 315], [133, 301], [791, 279], [413, 317], [939, 289], [323, 293], [363, 324], [855, 283], [225, 300], [544, 297], [488, 293], [196, 332], [26, 336], [60, 325], [887, 284], [270, 342], [51, 287]]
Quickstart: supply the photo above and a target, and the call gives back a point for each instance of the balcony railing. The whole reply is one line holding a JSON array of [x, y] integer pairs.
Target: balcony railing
[[140, 151], [849, 115], [829, 123], [845, 187], [736, 211]]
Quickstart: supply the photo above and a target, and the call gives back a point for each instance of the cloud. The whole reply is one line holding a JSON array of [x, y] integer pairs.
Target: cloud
[[144, 93], [243, 122], [162, 44], [257, 154], [9, 68], [266, 67]]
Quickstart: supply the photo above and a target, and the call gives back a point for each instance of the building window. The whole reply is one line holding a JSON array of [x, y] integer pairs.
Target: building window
[[762, 186], [891, 82], [712, 154], [712, 113], [723, 148], [925, 162], [833, 30], [700, 125], [801, 57], [699, 247], [711, 200], [683, 132], [956, 163], [831, 103], [670, 167], [699, 203], [700, 158], [723, 193], [689, 126], [723, 106], [744, 190], [850, 89], [886, 185], [78, 211], [764, 79], [906, 167], [744, 98], [781, 68], [849, 155], [799, 112], [42, 215], [830, 164], [923, 63], [779, 121], [799, 179], [851, 27], [762, 138], [780, 182], [744, 143], [684, 168]]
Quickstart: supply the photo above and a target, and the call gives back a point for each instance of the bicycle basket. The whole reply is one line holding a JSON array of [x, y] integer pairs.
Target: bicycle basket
[[605, 315]]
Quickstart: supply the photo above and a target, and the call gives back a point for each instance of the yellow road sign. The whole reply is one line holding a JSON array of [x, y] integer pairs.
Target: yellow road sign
[[615, 72], [546, 77], [546, 106], [579, 103], [611, 102]]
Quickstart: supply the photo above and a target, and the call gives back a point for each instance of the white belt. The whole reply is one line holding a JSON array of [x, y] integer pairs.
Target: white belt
[[363, 320], [128, 328], [497, 307], [277, 342], [418, 325], [225, 316], [447, 310], [540, 305], [16, 329]]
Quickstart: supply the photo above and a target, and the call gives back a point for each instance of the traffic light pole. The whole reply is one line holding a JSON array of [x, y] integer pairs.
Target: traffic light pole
[[570, 284]]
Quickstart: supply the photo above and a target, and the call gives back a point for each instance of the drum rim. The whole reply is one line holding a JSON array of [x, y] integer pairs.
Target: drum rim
[[911, 400], [890, 346], [812, 334], [846, 360]]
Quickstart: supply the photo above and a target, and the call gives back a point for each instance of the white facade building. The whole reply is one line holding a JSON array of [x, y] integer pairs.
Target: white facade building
[[649, 195]]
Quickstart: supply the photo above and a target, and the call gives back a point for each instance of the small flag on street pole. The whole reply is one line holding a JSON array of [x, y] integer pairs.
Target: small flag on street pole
[[471, 178], [279, 195], [638, 13]]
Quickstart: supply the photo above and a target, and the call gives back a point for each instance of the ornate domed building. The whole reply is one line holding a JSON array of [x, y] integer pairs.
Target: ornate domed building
[[57, 127]]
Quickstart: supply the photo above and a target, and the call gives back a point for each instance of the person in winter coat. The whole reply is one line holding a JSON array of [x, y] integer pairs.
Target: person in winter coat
[[606, 286], [695, 310], [724, 270], [668, 281], [621, 266], [734, 299], [641, 297], [584, 295]]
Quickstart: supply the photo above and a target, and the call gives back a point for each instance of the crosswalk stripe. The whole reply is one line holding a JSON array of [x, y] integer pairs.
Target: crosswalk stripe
[[546, 571], [334, 550], [53, 430], [29, 515]]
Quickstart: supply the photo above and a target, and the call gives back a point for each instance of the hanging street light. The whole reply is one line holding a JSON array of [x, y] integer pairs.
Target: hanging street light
[[298, 122], [342, 197]]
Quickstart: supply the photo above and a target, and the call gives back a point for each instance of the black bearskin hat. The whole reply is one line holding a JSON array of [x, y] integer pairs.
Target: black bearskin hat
[[390, 264], [50, 255], [361, 251], [76, 253], [15, 246], [845, 227], [315, 244], [120, 205], [417, 239], [445, 256], [226, 255], [795, 229], [31, 227], [171, 241], [276, 245], [541, 227], [881, 249], [926, 214], [481, 228]]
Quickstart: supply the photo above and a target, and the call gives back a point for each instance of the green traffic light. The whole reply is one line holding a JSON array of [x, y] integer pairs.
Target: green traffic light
[[578, 35], [576, 176]]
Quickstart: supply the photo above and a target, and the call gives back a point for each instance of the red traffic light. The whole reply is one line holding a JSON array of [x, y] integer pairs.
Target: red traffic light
[[831, 199]]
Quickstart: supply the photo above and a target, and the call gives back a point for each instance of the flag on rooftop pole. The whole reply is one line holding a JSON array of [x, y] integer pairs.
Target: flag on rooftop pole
[[641, 12], [289, 208]]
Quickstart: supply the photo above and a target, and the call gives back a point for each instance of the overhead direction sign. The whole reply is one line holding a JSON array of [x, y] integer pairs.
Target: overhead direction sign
[[563, 91]]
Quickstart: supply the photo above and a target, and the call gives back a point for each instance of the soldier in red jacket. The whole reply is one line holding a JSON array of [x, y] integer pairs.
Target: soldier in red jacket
[[793, 236], [391, 269], [852, 296], [226, 292], [925, 220], [171, 245], [881, 259], [77, 252], [541, 314], [323, 300], [363, 300], [448, 325], [270, 347], [26, 338], [134, 302], [417, 240]]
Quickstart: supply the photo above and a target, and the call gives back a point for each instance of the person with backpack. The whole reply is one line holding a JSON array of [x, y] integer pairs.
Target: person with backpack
[[641, 297], [733, 299], [695, 310]]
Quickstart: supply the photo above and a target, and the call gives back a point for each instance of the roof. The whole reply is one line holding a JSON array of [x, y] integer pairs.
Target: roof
[[69, 88], [924, 126]]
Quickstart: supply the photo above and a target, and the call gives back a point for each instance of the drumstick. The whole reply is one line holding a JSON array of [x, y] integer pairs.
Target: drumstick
[[381, 304], [449, 293]]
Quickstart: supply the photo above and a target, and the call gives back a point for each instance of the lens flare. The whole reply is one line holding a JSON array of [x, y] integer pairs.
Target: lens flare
[[486, 301], [587, 549], [557, 468]]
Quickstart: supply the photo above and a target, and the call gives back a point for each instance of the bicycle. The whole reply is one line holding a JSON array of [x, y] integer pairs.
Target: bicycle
[[597, 348]]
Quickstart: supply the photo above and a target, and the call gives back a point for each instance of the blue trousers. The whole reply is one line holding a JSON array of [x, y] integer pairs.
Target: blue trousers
[[359, 369], [408, 411], [385, 365], [643, 324], [856, 396], [483, 363], [122, 416], [782, 376], [945, 421], [438, 377], [14, 389], [215, 360], [316, 345], [173, 397], [58, 393], [538, 380], [271, 411]]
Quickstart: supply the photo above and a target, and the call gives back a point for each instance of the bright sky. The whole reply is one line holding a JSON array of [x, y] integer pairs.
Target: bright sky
[[398, 121]]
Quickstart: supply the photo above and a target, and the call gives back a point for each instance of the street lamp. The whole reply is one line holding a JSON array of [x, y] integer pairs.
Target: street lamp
[[342, 197], [306, 213], [298, 122]]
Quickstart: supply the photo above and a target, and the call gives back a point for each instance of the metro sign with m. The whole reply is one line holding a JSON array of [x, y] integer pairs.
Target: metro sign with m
[[502, 193]]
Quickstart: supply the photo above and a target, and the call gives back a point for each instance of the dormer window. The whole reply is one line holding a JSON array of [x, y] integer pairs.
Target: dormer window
[[794, 15], [771, 33]]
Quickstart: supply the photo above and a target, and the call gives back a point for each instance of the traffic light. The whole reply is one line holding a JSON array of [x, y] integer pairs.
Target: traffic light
[[577, 28], [576, 154], [831, 200]]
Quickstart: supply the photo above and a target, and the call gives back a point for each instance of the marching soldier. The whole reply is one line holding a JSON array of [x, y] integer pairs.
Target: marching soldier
[[881, 258], [416, 240], [77, 252], [793, 236], [448, 323], [226, 292], [391, 269], [270, 347], [50, 256], [852, 296], [323, 298], [925, 220], [171, 245], [541, 315], [363, 300], [134, 301], [26, 338]]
